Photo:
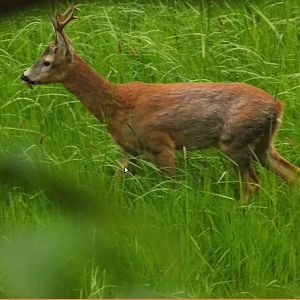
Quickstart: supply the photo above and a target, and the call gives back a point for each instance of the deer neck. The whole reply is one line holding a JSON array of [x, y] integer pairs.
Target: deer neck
[[92, 90]]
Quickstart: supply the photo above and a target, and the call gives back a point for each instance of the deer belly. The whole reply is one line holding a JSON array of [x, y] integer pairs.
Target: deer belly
[[191, 141], [196, 134]]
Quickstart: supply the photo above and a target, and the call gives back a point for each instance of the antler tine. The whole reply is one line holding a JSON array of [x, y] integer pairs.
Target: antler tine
[[63, 19], [69, 9]]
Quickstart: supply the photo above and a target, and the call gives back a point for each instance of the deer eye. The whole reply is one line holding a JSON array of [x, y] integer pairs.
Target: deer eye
[[46, 63]]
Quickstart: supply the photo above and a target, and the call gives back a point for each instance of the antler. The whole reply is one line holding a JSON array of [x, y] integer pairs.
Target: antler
[[61, 20]]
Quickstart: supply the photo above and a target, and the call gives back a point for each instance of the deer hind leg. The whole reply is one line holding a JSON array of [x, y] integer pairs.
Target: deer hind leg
[[273, 161], [242, 161], [161, 148], [283, 167]]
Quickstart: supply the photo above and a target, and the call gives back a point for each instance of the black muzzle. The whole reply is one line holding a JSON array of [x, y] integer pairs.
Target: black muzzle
[[27, 79]]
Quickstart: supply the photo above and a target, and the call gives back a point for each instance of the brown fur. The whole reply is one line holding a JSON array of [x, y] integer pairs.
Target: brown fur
[[239, 119]]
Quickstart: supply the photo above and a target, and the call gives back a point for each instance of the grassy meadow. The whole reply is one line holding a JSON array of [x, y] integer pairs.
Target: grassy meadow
[[69, 229]]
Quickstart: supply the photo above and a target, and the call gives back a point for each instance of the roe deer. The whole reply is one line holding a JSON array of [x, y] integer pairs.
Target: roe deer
[[239, 119]]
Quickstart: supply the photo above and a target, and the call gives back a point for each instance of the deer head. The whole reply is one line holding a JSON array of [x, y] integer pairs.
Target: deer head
[[53, 64]]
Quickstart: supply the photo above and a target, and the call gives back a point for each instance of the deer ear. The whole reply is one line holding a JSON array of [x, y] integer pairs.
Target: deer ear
[[64, 45], [61, 43]]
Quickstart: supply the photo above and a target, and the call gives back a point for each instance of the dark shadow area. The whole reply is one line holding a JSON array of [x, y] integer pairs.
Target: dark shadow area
[[8, 7]]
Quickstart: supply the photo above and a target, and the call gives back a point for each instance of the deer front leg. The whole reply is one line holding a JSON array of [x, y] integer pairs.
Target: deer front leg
[[126, 164], [161, 147], [128, 161], [165, 161]]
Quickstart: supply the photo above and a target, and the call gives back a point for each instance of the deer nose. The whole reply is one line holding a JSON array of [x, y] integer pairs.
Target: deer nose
[[24, 78], [27, 79]]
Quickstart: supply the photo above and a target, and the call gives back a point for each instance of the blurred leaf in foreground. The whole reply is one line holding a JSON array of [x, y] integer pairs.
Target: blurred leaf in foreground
[[49, 262]]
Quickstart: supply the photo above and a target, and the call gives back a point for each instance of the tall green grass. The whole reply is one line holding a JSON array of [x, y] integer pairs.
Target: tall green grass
[[68, 229]]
